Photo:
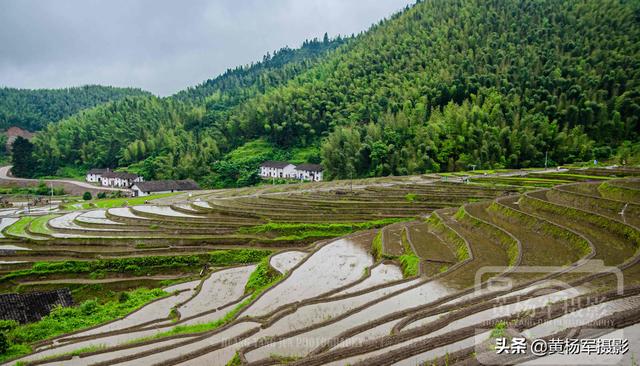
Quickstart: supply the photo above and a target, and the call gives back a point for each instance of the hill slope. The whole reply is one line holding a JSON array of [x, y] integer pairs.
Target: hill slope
[[176, 137], [33, 109], [440, 86]]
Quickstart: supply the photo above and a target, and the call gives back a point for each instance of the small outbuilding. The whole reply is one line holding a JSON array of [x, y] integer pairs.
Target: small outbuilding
[[95, 175], [312, 172], [163, 186], [277, 169], [120, 179]]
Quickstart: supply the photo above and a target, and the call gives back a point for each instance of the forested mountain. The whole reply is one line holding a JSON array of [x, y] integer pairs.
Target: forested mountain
[[440, 86], [175, 137], [257, 77], [33, 109]]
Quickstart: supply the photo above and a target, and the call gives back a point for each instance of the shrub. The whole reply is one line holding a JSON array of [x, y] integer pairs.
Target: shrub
[[102, 195], [4, 345], [63, 320], [261, 277], [124, 297], [87, 196]]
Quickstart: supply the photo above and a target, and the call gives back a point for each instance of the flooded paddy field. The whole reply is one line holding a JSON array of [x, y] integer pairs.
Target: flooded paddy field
[[317, 275]]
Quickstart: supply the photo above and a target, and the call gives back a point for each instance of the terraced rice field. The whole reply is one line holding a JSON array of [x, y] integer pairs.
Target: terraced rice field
[[539, 263]]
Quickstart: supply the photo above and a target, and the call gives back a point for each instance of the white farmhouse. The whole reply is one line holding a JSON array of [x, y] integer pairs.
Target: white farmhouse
[[312, 172], [120, 179], [163, 186], [277, 169], [283, 169], [95, 175]]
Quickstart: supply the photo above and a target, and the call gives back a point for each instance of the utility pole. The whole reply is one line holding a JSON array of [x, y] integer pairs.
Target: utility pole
[[351, 182], [545, 158]]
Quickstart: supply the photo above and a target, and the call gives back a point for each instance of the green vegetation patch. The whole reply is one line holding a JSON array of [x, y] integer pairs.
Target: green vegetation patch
[[376, 246], [259, 281], [301, 231], [39, 224], [98, 268], [261, 277], [19, 227], [129, 201], [409, 261], [64, 320]]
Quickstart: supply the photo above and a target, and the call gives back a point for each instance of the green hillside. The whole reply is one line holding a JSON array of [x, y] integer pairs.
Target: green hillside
[[176, 137], [437, 87], [33, 109]]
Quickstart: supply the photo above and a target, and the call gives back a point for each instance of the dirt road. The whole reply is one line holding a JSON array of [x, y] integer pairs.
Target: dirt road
[[70, 186]]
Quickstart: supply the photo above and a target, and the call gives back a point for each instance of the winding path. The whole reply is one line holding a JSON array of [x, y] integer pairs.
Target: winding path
[[72, 186]]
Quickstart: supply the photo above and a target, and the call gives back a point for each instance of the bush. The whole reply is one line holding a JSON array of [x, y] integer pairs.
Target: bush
[[87, 196], [4, 345], [101, 195]]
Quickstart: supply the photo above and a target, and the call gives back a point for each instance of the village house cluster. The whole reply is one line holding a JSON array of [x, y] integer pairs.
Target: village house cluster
[[108, 178], [139, 188], [284, 169]]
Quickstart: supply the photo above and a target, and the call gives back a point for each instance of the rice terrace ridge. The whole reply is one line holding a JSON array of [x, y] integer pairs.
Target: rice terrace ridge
[[458, 184]]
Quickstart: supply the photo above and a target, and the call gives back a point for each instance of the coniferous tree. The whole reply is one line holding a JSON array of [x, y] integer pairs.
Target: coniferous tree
[[22, 159]]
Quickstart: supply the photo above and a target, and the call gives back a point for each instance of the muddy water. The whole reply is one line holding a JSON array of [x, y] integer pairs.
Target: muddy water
[[6, 222], [125, 212], [304, 343], [67, 222], [539, 248], [510, 309], [156, 310], [192, 347], [487, 252], [382, 273], [96, 217], [182, 286], [427, 245], [415, 360], [392, 240], [12, 247], [583, 316], [610, 247], [221, 288], [217, 357], [90, 360], [283, 262], [161, 210], [315, 313], [373, 333], [336, 264], [441, 351]]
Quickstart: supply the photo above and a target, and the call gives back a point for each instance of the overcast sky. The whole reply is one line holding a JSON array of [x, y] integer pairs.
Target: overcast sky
[[159, 45]]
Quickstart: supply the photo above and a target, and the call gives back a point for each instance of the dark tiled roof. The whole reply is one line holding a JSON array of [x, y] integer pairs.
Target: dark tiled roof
[[274, 164], [167, 185], [121, 175], [310, 167], [97, 171]]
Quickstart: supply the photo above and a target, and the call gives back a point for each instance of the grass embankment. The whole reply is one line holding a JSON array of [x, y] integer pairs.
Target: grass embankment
[[509, 244], [18, 228], [611, 191], [461, 249], [64, 320], [262, 278], [302, 231], [93, 312], [409, 261], [129, 201], [39, 224], [140, 265]]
